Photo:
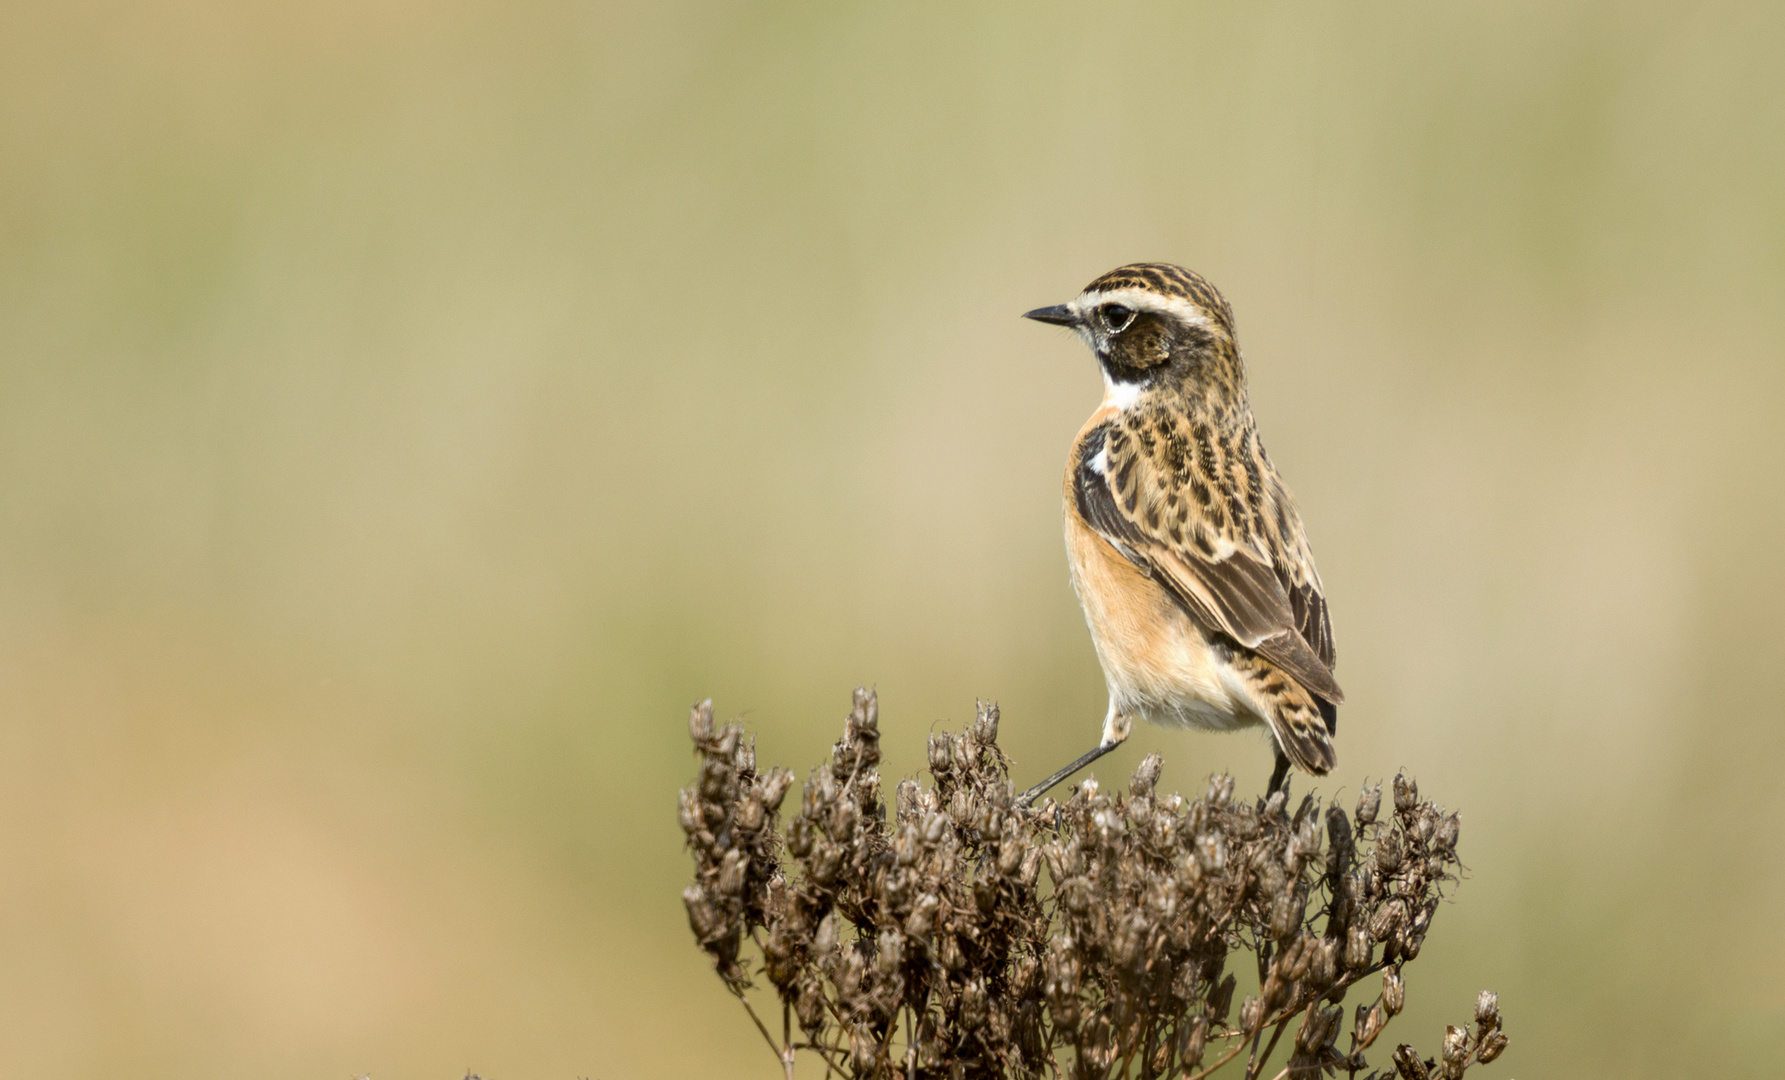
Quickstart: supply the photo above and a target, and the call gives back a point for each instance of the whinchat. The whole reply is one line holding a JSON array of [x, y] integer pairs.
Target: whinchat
[[1186, 550]]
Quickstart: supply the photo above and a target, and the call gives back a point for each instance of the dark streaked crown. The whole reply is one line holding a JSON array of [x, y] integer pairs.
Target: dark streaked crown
[[1171, 281]]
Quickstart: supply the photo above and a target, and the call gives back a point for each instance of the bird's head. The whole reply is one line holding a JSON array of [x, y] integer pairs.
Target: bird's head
[[1150, 323]]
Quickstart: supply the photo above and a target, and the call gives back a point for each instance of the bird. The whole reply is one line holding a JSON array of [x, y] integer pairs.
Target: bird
[[1186, 549]]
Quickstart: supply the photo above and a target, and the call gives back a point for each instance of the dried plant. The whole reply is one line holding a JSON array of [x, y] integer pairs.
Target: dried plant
[[928, 944]]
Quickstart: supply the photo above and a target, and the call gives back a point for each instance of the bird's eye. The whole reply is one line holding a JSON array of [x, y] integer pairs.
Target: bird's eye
[[1116, 317]]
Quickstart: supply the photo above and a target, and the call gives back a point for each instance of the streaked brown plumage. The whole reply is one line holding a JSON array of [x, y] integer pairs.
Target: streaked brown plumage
[[1186, 549]]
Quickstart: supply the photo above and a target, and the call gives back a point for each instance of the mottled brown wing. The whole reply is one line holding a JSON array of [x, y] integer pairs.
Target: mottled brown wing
[[1227, 583], [1309, 608]]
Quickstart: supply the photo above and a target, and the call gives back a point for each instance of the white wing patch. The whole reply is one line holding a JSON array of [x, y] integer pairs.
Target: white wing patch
[[1099, 462]]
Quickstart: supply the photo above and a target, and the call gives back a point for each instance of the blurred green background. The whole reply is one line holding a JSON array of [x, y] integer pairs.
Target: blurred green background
[[407, 410]]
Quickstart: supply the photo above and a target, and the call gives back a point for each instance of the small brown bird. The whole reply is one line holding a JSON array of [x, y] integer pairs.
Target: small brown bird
[[1186, 550]]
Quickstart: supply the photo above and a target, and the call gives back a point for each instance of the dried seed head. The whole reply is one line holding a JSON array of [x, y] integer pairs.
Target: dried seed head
[[1147, 775], [933, 828], [750, 815], [1023, 974], [1162, 1055], [1222, 999], [974, 1005], [1107, 826], [825, 861], [688, 814], [921, 923], [1325, 966], [1369, 801], [849, 972], [1425, 825], [866, 712], [1487, 1008], [1251, 1011], [715, 781], [1063, 968], [1304, 842], [858, 917], [700, 722], [864, 1051], [703, 917], [1447, 833], [1131, 941], [967, 751], [1010, 855], [809, 1005], [1358, 949], [1369, 1025], [774, 787], [908, 845], [1192, 1041], [1338, 840], [1211, 852], [1456, 1048], [1273, 806], [799, 837], [825, 941], [1406, 793], [1394, 991], [1075, 893], [1319, 1027], [731, 873], [1388, 853], [1061, 987], [985, 723], [950, 953], [1409, 1065], [985, 894], [941, 754], [842, 821], [1286, 914], [905, 797], [779, 959], [1491, 1046], [891, 952]]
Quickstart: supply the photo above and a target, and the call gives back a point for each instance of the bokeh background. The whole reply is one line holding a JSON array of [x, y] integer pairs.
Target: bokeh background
[[408, 409]]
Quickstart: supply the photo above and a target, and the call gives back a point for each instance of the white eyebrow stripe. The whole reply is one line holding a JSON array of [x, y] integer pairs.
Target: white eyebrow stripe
[[1140, 300]]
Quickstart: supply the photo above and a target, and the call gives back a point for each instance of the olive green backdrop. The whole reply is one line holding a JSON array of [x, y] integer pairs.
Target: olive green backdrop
[[407, 409]]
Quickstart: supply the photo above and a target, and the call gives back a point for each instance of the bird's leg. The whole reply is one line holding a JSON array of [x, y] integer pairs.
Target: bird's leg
[[1279, 775], [1115, 733], [1039, 789]]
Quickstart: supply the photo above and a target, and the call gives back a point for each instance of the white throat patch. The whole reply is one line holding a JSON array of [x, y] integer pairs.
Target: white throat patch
[[1121, 396]]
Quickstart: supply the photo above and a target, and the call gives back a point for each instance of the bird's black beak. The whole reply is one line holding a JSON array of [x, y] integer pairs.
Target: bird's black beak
[[1059, 315]]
